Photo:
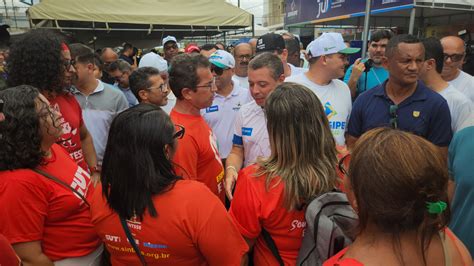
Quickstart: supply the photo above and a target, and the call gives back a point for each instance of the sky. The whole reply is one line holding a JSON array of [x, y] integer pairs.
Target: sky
[[252, 6]]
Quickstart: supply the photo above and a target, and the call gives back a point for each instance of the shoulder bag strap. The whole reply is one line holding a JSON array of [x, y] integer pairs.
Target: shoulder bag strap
[[62, 183], [132, 241], [272, 246]]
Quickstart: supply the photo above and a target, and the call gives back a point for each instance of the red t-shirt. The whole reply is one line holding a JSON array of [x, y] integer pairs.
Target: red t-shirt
[[192, 228], [71, 121], [35, 208], [197, 153], [7, 254], [253, 207]]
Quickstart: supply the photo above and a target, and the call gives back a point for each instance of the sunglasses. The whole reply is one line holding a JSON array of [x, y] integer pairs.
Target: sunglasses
[[341, 165], [453, 57], [69, 63], [393, 116], [219, 71], [179, 134]]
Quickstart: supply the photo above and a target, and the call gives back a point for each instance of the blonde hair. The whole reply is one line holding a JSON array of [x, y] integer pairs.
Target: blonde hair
[[303, 150]]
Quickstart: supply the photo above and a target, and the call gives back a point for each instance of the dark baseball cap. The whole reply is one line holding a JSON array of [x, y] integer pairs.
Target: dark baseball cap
[[270, 42]]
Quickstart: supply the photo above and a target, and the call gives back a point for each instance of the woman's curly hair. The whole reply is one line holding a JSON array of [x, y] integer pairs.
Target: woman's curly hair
[[35, 59], [20, 135]]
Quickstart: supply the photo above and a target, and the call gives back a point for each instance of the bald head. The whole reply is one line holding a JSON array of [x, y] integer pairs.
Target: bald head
[[454, 52], [108, 55], [242, 54], [253, 43]]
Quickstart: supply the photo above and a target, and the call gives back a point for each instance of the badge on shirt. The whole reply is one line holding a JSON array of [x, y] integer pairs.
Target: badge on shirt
[[247, 131], [212, 109], [416, 113], [237, 107]]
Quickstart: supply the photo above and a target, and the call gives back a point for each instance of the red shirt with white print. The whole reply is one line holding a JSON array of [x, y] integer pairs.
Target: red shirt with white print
[[71, 121], [35, 208], [254, 208]]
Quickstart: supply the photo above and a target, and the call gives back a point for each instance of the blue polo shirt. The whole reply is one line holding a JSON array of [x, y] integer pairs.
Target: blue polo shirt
[[425, 113]]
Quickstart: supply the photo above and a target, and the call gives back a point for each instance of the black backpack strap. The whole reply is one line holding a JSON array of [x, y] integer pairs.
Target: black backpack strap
[[62, 183], [132, 241], [272, 246]]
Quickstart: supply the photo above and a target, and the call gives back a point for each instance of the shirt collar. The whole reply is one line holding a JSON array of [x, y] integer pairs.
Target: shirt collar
[[233, 93], [418, 95], [99, 88]]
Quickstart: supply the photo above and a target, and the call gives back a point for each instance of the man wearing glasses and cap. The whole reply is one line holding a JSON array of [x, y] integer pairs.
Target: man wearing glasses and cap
[[402, 102], [197, 157], [274, 43], [170, 47], [228, 99], [327, 61], [454, 55]]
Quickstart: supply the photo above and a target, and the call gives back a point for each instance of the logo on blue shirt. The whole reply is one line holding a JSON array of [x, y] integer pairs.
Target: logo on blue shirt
[[213, 108], [247, 131]]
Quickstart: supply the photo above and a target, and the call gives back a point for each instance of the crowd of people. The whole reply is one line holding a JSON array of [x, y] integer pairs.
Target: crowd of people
[[212, 156]]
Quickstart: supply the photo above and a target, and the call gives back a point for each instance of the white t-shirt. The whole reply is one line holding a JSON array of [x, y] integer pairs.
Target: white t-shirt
[[250, 132], [296, 70], [465, 84], [221, 115], [459, 107], [336, 100], [243, 82]]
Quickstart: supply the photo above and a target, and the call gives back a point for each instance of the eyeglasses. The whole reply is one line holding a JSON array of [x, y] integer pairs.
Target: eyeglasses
[[454, 57], [209, 85], [163, 87], [121, 76], [219, 71], [342, 165], [393, 116], [244, 56], [179, 133], [69, 63]]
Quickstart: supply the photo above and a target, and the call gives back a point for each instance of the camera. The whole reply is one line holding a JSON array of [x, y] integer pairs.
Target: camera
[[368, 65]]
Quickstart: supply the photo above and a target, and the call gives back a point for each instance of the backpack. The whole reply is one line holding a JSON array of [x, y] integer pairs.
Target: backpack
[[330, 224]]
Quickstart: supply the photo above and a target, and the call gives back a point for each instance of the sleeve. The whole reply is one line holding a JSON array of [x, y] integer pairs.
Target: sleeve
[[23, 212], [218, 239], [347, 76], [354, 127], [186, 157], [246, 207], [463, 112], [440, 132], [78, 110], [122, 103], [237, 139]]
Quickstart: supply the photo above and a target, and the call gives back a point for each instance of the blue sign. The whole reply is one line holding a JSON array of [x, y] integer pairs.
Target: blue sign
[[314, 11]]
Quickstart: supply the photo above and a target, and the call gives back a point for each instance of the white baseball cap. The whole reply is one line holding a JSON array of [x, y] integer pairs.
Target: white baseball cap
[[153, 60], [222, 59], [329, 43], [169, 38]]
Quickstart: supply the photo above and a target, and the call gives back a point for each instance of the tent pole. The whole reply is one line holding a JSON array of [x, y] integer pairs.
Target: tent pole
[[365, 33], [412, 21], [253, 25]]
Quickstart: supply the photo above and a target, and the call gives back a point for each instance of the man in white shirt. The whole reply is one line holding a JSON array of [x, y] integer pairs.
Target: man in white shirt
[[328, 58], [460, 107], [250, 139], [228, 99], [454, 54], [242, 54]]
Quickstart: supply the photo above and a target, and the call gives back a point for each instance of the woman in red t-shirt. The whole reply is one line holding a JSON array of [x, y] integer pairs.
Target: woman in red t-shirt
[[271, 194], [45, 221], [397, 182], [173, 221]]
